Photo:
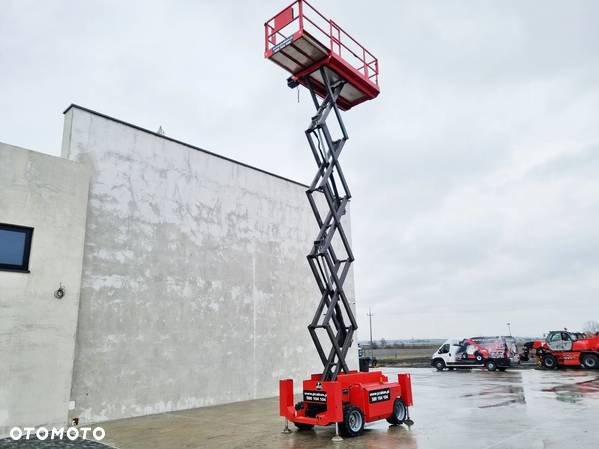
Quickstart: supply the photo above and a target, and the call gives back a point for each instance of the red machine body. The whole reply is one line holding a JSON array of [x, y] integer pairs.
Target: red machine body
[[302, 40], [371, 392], [563, 348]]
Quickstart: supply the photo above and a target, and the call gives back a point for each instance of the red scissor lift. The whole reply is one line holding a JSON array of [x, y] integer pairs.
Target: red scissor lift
[[339, 73]]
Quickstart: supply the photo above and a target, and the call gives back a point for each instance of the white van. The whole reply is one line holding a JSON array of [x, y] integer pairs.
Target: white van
[[493, 353]]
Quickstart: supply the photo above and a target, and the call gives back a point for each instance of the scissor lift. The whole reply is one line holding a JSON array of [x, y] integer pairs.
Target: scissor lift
[[339, 73]]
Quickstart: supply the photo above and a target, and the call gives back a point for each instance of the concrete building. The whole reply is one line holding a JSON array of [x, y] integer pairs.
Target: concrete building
[[37, 330], [194, 285]]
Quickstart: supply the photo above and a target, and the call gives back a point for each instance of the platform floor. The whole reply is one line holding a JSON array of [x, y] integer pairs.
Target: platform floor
[[519, 409]]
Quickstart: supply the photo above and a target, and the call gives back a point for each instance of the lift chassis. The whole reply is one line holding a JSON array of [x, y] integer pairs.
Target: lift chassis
[[339, 396]]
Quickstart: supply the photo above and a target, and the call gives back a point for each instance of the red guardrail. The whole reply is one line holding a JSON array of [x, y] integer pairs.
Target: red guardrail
[[300, 17]]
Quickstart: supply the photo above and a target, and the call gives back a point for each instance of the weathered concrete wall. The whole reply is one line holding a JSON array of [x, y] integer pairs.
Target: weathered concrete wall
[[195, 286], [37, 331]]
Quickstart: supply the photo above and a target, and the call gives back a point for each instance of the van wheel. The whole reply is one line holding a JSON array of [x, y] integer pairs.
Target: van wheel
[[590, 361], [479, 357], [400, 413], [439, 364], [549, 361], [491, 365], [353, 421]]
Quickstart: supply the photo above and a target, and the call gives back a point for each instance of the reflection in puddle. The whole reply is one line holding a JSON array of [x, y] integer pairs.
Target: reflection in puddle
[[506, 394], [575, 392], [519, 400]]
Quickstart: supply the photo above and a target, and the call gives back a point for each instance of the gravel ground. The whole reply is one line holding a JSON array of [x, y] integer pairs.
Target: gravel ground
[[9, 443]]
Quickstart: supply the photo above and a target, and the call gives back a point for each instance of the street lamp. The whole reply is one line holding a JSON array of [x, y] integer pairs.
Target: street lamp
[[370, 315], [509, 328]]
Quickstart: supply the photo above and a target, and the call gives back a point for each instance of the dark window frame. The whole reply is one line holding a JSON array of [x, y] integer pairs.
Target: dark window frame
[[24, 266]]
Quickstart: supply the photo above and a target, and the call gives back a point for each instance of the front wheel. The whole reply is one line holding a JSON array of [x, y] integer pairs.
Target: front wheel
[[549, 361], [439, 364], [590, 361], [491, 365], [400, 413], [353, 421]]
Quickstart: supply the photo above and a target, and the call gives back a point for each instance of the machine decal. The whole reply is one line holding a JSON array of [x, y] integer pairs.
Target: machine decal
[[379, 395], [315, 396], [282, 44]]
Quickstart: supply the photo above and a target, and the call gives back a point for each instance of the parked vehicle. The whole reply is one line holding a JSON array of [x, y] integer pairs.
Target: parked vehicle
[[527, 348], [492, 353], [563, 348]]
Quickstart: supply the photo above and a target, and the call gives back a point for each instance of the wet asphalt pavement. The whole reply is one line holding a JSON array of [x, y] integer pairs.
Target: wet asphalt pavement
[[518, 409]]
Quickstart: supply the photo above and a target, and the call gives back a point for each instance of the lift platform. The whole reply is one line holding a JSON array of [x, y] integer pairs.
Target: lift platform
[[302, 40], [339, 73]]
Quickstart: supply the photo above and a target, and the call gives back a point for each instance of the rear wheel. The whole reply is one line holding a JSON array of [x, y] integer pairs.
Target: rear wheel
[[491, 365], [590, 361], [353, 421], [439, 364], [479, 357], [400, 413], [549, 361]]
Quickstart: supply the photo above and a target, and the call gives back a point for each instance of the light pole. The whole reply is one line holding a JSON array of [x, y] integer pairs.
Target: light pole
[[509, 328], [370, 315]]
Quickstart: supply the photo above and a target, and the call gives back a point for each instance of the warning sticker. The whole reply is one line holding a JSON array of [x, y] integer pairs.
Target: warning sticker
[[315, 396], [282, 44], [379, 395]]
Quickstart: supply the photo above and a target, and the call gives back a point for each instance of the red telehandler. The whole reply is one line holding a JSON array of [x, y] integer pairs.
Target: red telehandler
[[563, 348]]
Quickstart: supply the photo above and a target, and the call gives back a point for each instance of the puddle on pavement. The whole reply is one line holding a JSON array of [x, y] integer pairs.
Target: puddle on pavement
[[575, 392]]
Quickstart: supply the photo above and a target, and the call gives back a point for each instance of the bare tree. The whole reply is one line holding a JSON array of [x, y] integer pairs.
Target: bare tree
[[591, 326]]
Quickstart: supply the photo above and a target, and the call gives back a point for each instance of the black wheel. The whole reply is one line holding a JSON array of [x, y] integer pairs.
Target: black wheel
[[491, 365], [590, 361], [549, 361], [439, 364], [353, 421], [302, 426], [400, 413], [502, 369], [479, 357]]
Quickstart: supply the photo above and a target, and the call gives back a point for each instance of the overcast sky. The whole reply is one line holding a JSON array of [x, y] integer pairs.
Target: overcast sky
[[474, 174]]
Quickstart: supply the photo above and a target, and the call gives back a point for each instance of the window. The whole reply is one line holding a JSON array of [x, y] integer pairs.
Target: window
[[555, 337], [568, 337], [444, 349], [15, 244]]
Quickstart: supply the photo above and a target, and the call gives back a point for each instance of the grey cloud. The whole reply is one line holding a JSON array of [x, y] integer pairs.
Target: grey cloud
[[473, 174]]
